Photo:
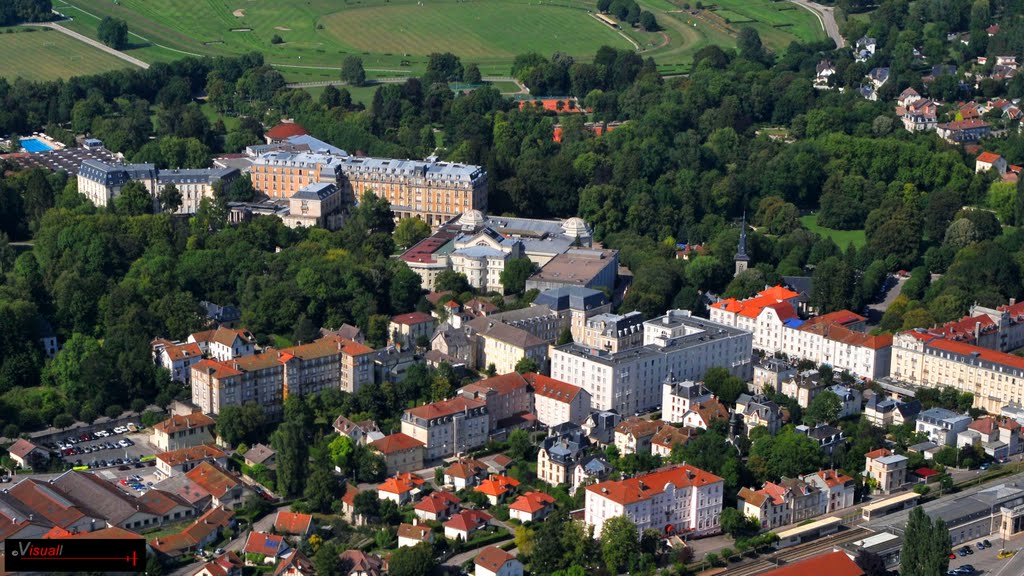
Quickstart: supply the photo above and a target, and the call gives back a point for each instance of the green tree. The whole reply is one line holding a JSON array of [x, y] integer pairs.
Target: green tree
[[472, 74], [565, 337], [748, 41], [927, 546], [113, 32], [824, 408], [352, 71], [170, 198], [341, 450], [415, 560], [516, 272], [322, 486], [366, 504], [620, 545], [409, 231], [240, 423], [292, 458], [648, 22], [526, 364], [133, 200], [726, 387], [735, 524], [519, 445], [153, 565], [451, 281]]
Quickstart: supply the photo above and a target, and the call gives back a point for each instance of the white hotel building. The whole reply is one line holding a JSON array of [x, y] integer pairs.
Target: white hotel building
[[630, 380], [674, 500]]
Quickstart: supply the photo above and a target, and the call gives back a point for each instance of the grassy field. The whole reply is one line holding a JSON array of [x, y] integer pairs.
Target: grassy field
[[47, 55], [842, 238], [394, 37]]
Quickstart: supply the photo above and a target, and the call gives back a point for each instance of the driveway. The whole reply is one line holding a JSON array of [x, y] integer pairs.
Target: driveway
[[826, 15], [90, 41]]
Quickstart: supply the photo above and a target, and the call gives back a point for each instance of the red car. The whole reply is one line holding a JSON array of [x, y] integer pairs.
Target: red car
[[952, 556]]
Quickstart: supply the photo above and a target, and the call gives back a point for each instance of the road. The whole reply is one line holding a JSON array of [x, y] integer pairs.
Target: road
[[876, 311], [826, 15], [90, 41]]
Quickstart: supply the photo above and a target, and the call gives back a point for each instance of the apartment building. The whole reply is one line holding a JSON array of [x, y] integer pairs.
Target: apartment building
[[101, 182], [837, 339], [402, 453], [406, 329], [941, 425], [315, 205], [224, 344], [504, 346], [924, 358], [268, 378], [758, 410], [885, 470], [680, 397], [506, 396], [675, 499], [634, 435], [771, 372], [448, 427], [614, 332], [281, 173], [431, 190], [182, 431], [794, 500], [556, 402], [177, 358], [885, 412], [575, 304], [631, 381]]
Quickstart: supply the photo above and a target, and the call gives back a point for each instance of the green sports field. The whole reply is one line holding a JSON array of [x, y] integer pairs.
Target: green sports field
[[394, 37], [49, 55], [842, 238]]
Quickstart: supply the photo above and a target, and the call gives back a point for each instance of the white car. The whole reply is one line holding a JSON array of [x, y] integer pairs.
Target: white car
[[123, 443], [100, 433], [120, 430]]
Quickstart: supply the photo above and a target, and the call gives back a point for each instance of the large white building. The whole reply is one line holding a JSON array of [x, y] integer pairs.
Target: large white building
[[678, 398], [556, 402], [678, 499], [448, 427], [677, 343], [837, 339], [101, 182]]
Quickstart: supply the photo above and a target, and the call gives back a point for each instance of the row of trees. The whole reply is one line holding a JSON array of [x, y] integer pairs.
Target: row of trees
[[18, 11]]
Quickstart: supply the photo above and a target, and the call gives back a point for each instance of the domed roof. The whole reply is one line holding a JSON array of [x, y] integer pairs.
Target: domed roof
[[472, 218], [575, 227]]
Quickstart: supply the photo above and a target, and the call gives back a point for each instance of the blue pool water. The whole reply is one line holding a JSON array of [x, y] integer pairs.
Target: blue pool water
[[35, 145]]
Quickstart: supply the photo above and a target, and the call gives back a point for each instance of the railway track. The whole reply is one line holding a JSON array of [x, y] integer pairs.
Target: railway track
[[796, 553]]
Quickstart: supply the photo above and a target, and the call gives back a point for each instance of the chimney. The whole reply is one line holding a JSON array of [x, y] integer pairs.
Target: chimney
[[415, 521]]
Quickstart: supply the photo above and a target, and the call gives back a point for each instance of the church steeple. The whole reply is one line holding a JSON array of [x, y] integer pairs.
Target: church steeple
[[741, 258]]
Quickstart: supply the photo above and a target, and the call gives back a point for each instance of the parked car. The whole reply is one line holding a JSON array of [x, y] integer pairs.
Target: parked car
[[132, 428], [965, 570], [120, 429], [986, 543]]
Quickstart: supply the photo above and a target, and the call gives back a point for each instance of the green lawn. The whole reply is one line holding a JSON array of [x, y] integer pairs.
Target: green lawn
[[842, 238], [45, 54]]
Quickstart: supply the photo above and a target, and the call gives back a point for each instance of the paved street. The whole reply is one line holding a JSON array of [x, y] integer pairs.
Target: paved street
[[91, 42], [826, 15]]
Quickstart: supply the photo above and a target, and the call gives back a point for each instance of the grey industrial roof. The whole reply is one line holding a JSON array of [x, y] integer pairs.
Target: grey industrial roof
[[429, 170], [575, 297], [317, 191]]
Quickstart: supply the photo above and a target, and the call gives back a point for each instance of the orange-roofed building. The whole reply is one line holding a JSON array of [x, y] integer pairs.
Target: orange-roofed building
[[294, 524], [990, 161], [493, 561], [401, 452], [413, 534], [400, 488], [829, 564], [177, 358], [437, 506], [567, 105], [497, 488], [464, 473], [182, 431], [466, 523], [764, 314], [182, 460], [672, 500], [269, 546], [531, 507], [283, 132], [506, 395], [226, 490], [448, 426], [556, 402]]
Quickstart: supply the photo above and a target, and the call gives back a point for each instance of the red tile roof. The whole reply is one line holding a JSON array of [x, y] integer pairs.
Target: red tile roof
[[160, 502], [468, 520], [293, 522], [994, 356], [551, 388], [832, 564], [643, 487], [285, 130], [423, 251], [191, 454], [400, 483], [963, 124], [412, 318], [639, 427], [833, 478], [465, 469], [752, 307], [503, 384], [839, 333], [444, 408], [988, 157], [181, 351], [213, 479], [218, 369], [496, 485], [437, 502], [396, 442], [414, 531], [925, 472], [21, 448], [880, 453], [493, 558], [179, 422], [532, 502], [265, 544], [46, 502]]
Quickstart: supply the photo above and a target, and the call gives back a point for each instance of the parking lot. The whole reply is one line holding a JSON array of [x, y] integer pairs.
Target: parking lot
[[104, 449], [984, 561]]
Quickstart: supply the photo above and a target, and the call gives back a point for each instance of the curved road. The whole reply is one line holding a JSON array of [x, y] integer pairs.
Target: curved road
[[826, 15], [91, 42]]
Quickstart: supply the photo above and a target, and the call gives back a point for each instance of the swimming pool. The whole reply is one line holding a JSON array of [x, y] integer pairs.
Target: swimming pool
[[35, 145]]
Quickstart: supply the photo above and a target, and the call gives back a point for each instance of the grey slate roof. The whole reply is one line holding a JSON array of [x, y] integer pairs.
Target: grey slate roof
[[571, 297]]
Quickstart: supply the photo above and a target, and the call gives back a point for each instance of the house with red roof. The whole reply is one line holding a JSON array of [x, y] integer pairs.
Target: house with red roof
[[182, 431], [449, 426], [830, 564], [27, 455], [294, 524], [999, 436], [963, 131], [182, 460], [531, 507], [493, 561], [360, 563], [295, 564], [990, 161], [497, 488], [506, 396], [466, 523], [348, 506], [413, 534], [400, 488], [763, 314], [268, 548], [672, 500], [464, 473], [224, 489], [437, 506], [401, 452], [206, 530], [837, 489], [177, 358]]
